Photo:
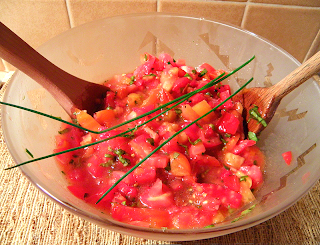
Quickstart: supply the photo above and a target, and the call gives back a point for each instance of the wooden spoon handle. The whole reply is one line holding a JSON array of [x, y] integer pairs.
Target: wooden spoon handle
[[298, 76], [18, 53]]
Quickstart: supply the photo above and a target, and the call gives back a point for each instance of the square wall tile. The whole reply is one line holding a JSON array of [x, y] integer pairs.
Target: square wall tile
[[34, 21], [228, 12], [294, 29], [309, 3], [84, 11]]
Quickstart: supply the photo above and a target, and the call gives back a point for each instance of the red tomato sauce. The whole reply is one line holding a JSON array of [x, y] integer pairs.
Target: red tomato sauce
[[197, 179]]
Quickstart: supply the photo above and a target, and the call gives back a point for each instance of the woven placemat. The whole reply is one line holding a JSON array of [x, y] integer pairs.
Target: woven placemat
[[28, 217]]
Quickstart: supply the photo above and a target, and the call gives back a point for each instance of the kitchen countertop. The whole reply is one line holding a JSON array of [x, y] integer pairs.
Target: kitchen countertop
[[29, 217]]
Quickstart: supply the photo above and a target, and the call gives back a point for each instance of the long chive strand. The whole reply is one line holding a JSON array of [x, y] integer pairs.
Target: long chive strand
[[100, 141], [170, 138], [131, 120]]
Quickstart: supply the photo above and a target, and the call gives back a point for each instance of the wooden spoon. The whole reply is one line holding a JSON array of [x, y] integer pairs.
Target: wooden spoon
[[71, 92], [268, 99]]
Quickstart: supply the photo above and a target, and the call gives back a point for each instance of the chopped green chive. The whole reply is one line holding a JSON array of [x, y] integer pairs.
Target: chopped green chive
[[64, 131], [150, 141], [252, 136], [175, 155], [203, 72], [188, 76], [29, 153], [254, 113], [132, 79], [243, 178]]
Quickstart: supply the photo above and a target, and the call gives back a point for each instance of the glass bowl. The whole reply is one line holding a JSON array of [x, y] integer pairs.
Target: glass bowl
[[100, 49]]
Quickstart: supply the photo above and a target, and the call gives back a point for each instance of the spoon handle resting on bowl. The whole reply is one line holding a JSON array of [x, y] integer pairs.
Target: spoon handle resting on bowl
[[71, 92], [266, 100]]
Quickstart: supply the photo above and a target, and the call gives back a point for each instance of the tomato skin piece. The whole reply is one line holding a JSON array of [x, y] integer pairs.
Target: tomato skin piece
[[287, 157]]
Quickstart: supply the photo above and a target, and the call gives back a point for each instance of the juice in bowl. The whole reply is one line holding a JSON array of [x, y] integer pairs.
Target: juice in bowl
[[104, 52]]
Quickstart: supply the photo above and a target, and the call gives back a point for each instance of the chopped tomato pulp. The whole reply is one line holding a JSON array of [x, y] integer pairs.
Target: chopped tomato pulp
[[195, 180]]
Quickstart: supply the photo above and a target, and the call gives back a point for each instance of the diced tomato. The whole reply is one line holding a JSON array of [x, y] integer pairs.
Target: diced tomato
[[228, 123], [179, 164], [203, 108], [180, 84], [197, 149], [242, 144], [144, 175], [188, 113], [140, 146], [157, 196], [232, 160], [87, 121], [254, 173], [287, 157], [157, 161]]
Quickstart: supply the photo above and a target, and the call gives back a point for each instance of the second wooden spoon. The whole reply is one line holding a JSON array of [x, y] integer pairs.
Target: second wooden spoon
[[266, 100], [71, 92]]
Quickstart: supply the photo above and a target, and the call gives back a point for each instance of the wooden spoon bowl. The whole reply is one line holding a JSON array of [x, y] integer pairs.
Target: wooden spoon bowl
[[268, 99]]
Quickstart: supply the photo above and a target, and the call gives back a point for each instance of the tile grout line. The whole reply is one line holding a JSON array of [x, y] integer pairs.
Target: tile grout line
[[68, 12], [315, 45], [244, 17]]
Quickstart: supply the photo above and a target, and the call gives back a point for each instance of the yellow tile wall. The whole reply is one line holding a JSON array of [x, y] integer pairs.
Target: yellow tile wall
[[292, 24]]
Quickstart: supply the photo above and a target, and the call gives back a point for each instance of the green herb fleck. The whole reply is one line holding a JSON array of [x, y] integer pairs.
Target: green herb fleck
[[209, 226], [107, 164], [243, 213], [227, 135], [63, 172], [123, 160], [254, 113], [195, 142], [150, 141], [226, 167], [108, 155], [175, 155], [203, 72], [252, 136], [188, 76], [150, 75], [119, 152], [132, 79], [178, 111], [29, 153], [169, 63], [64, 131], [243, 178], [145, 57], [223, 141]]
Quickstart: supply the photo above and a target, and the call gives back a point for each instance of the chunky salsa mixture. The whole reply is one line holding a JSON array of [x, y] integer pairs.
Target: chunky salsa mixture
[[196, 180]]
